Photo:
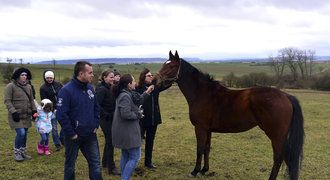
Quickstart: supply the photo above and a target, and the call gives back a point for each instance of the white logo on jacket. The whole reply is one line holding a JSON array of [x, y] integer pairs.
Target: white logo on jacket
[[59, 102], [90, 94]]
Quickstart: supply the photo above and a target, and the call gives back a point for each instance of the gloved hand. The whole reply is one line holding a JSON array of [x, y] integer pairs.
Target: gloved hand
[[34, 115], [15, 116]]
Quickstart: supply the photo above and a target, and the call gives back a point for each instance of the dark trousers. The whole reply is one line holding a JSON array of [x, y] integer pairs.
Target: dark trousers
[[57, 138], [150, 133], [89, 147], [108, 150]]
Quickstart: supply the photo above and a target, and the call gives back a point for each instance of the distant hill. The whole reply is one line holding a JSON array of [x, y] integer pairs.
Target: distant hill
[[161, 60], [113, 60]]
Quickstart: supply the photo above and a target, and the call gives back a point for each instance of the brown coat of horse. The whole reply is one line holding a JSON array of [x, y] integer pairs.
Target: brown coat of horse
[[215, 108]]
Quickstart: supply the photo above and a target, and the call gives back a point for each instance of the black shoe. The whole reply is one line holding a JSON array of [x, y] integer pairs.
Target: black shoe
[[104, 165], [62, 142], [150, 166], [58, 147], [114, 171]]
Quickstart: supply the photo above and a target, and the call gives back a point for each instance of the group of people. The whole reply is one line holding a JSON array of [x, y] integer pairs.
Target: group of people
[[19, 98], [126, 111]]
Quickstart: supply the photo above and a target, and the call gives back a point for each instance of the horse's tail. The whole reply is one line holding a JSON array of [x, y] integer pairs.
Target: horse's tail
[[293, 149]]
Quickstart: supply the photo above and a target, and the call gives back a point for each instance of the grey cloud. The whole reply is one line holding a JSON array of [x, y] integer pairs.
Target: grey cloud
[[210, 4], [234, 9], [48, 44], [12, 3], [143, 8]]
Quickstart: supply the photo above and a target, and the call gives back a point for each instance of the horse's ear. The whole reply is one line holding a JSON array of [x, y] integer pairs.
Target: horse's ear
[[171, 55], [177, 55]]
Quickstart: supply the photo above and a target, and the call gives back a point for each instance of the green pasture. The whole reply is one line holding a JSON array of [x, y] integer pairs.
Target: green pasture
[[245, 155]]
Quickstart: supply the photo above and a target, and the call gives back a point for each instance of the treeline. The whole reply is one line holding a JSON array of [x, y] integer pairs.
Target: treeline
[[293, 68]]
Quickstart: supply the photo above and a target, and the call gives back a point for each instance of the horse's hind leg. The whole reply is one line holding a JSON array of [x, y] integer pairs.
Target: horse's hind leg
[[277, 157], [201, 136], [207, 153], [276, 168]]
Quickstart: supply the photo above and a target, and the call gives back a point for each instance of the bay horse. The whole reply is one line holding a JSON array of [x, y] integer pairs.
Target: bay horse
[[215, 108]]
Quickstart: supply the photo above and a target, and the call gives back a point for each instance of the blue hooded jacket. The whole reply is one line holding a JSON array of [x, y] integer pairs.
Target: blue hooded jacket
[[77, 109]]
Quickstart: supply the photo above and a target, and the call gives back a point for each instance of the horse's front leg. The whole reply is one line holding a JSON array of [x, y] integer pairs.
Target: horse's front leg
[[207, 153], [201, 136]]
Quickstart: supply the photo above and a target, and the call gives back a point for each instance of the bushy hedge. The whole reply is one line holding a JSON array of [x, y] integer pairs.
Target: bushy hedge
[[250, 80], [322, 82], [6, 71]]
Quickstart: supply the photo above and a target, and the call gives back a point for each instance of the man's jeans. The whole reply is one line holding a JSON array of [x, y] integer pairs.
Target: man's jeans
[[21, 136], [89, 147], [56, 138], [128, 162]]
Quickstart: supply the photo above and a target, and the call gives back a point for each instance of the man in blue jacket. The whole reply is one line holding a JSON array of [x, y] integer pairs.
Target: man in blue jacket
[[78, 114]]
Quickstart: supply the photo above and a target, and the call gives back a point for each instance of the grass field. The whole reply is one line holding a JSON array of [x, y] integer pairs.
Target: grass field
[[245, 155]]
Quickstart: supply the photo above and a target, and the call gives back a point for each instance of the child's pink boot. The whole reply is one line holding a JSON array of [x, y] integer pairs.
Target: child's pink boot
[[47, 152], [40, 149]]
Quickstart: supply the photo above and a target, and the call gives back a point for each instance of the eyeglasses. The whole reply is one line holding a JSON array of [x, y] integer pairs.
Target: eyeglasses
[[149, 75]]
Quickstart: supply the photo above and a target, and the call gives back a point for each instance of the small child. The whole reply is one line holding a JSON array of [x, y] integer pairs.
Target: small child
[[43, 125]]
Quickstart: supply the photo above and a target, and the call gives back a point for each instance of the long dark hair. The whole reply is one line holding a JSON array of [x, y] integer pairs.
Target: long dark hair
[[123, 82], [142, 77]]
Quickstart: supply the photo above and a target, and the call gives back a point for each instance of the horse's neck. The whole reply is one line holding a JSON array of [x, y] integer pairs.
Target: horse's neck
[[188, 91], [188, 82]]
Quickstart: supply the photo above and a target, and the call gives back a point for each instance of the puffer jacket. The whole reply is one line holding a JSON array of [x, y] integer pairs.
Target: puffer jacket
[[16, 100], [43, 121]]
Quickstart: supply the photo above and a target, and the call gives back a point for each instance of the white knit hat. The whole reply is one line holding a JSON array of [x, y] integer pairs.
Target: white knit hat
[[44, 102], [49, 74]]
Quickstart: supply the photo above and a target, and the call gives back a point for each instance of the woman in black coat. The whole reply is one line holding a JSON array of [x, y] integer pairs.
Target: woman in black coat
[[107, 104], [152, 115]]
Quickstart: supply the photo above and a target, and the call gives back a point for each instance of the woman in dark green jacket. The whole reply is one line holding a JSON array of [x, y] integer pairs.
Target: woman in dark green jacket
[[19, 101]]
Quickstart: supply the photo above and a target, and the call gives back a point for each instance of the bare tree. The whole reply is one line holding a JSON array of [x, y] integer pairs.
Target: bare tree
[[291, 60], [311, 56], [54, 63], [302, 62], [305, 61], [9, 60], [278, 64]]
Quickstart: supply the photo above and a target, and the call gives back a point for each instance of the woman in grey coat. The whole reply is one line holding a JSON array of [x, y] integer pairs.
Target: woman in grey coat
[[18, 98], [126, 133]]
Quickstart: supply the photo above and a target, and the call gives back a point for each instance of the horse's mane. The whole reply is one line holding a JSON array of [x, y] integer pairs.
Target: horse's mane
[[206, 77]]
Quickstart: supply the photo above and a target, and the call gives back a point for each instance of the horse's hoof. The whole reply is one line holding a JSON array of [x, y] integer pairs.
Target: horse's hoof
[[203, 171], [210, 174], [194, 173]]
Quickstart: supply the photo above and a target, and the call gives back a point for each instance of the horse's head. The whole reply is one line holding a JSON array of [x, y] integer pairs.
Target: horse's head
[[170, 70]]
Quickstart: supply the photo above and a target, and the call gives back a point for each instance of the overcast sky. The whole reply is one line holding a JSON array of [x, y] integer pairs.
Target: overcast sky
[[209, 29]]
